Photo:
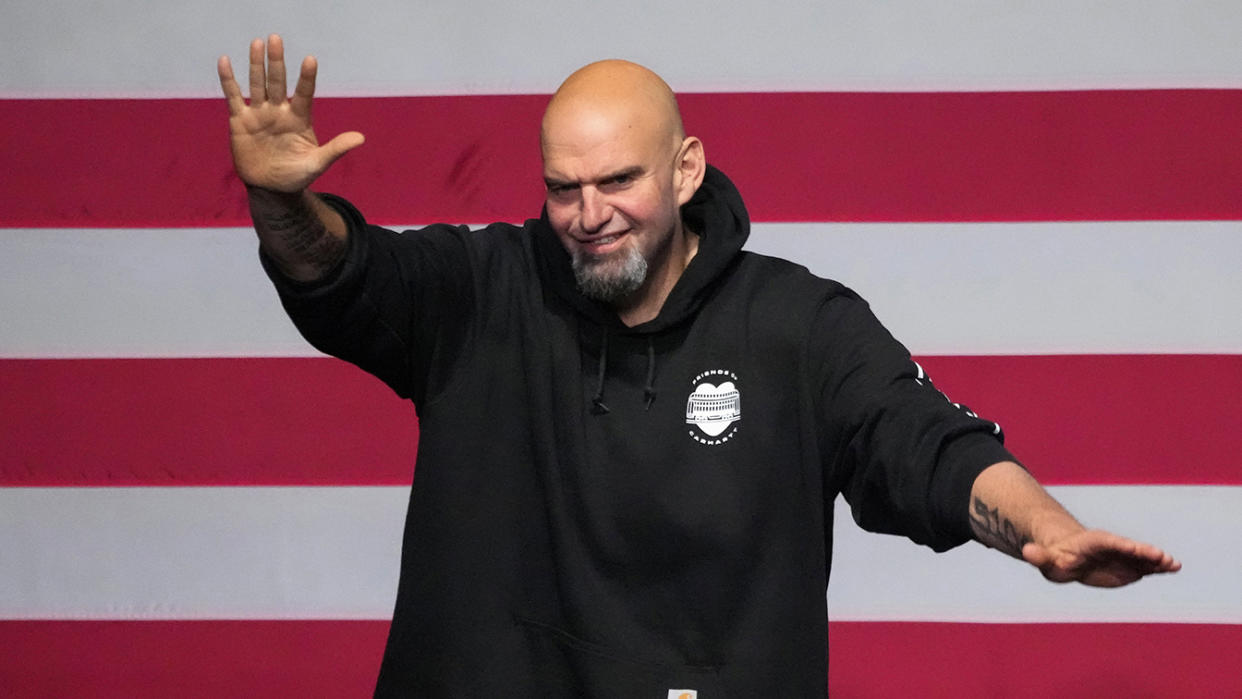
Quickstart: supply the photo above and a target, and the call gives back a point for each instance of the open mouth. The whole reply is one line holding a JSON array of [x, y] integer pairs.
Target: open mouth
[[603, 244]]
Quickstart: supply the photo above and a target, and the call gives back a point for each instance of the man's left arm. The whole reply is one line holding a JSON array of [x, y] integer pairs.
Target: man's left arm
[[1011, 512]]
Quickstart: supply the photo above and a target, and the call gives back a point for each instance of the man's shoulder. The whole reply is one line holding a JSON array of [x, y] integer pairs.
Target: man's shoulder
[[490, 244], [777, 297], [499, 233], [787, 278]]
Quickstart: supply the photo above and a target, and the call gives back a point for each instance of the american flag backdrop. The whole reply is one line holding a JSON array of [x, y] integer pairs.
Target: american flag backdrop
[[1042, 200]]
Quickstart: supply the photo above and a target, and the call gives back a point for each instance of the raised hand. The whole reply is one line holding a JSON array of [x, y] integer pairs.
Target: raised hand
[[274, 146], [1098, 558]]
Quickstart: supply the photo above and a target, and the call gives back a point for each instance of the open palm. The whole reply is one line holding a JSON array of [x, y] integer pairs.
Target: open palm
[[274, 145], [1099, 559]]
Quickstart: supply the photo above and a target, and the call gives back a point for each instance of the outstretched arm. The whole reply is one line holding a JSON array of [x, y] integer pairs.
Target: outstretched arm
[[1011, 512], [277, 155]]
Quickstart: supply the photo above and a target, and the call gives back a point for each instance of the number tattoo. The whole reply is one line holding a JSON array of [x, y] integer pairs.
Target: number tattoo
[[996, 531]]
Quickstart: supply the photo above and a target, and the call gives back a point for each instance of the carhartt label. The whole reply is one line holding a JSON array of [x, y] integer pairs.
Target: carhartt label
[[682, 694]]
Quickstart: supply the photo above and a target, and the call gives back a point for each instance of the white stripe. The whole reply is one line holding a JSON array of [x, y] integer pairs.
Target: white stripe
[[191, 553], [1029, 288], [482, 46], [200, 553], [884, 578], [1034, 288], [139, 293]]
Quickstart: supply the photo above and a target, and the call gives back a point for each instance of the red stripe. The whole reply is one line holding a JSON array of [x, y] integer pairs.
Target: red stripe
[[1076, 419], [254, 421], [340, 658], [105, 659], [1108, 419], [1089, 155], [1070, 661]]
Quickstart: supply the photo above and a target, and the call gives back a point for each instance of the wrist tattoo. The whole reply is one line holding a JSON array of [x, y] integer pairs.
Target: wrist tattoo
[[996, 531], [299, 237]]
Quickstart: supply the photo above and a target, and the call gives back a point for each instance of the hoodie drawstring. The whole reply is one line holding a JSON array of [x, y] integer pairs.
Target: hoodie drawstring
[[649, 393], [649, 390], [597, 403]]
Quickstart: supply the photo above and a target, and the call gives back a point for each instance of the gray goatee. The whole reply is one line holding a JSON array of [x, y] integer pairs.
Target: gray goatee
[[610, 280]]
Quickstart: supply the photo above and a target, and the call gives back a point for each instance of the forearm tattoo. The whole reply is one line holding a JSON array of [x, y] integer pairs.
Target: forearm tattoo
[[297, 237], [996, 531]]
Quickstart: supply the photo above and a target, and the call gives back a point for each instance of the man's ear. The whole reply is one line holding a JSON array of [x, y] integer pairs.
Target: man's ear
[[689, 169]]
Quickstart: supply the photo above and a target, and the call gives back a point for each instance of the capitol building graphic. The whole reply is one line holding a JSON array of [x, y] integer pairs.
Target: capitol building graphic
[[713, 408]]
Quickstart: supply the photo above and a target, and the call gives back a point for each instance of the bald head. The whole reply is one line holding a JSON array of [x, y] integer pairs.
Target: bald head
[[616, 95], [618, 167]]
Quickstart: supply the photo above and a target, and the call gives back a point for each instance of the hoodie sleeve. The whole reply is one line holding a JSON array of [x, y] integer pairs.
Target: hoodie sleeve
[[396, 305], [904, 456]]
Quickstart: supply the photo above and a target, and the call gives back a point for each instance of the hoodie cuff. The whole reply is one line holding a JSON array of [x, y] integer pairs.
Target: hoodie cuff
[[961, 462]]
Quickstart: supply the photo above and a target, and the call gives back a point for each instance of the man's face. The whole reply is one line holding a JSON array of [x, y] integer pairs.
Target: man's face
[[611, 201]]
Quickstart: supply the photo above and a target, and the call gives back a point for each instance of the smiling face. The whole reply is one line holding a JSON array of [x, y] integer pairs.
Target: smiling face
[[617, 169]]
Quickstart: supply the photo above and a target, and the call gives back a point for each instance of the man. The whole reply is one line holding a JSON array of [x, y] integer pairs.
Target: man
[[632, 432]]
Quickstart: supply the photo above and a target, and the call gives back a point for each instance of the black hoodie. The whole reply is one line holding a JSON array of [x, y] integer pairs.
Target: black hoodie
[[606, 511]]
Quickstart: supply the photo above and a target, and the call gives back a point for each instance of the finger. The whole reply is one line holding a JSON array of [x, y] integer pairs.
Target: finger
[[1142, 553], [1125, 570], [258, 76], [331, 151], [304, 91], [277, 92], [232, 91], [1155, 560], [1156, 556]]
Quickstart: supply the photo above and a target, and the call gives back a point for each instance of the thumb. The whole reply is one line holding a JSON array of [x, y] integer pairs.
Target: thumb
[[331, 151], [1040, 557], [1045, 560], [1036, 555]]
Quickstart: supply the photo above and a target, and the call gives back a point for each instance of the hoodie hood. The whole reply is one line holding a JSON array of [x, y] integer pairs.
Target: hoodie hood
[[715, 212]]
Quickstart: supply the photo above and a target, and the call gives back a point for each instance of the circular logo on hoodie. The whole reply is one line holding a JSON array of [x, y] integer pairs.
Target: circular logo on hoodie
[[714, 407]]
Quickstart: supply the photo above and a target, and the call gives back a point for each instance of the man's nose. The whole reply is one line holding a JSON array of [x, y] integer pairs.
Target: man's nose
[[595, 210]]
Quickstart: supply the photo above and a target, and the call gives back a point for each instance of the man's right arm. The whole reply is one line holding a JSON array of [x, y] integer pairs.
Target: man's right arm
[[278, 156]]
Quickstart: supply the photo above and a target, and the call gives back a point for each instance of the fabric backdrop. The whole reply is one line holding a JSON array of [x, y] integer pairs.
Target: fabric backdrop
[[1042, 200]]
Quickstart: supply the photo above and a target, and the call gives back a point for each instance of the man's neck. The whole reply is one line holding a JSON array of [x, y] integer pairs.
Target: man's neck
[[645, 303]]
